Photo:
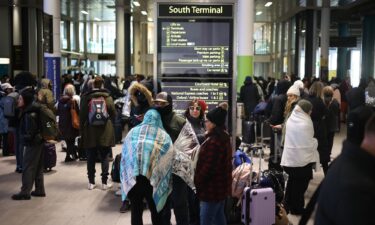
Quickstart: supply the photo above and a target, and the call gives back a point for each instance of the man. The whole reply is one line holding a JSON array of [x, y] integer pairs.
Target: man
[[97, 112], [249, 95], [347, 194], [173, 124]]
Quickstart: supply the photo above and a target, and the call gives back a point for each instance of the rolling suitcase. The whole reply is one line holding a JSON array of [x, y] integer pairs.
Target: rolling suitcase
[[49, 156], [248, 131], [258, 206]]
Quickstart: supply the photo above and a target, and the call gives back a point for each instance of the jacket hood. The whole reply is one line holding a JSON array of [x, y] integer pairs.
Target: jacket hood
[[98, 93], [33, 107], [134, 88], [45, 83]]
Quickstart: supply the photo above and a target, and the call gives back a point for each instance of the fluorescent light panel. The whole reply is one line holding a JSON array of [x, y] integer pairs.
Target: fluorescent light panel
[[136, 3], [97, 19], [259, 13], [149, 19], [268, 4], [143, 12], [84, 12]]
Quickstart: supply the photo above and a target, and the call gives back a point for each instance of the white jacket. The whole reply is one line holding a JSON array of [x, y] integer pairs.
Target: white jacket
[[300, 147]]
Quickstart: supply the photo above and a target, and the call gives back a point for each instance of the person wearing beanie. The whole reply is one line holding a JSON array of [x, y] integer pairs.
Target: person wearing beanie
[[173, 124], [32, 142], [299, 155], [276, 118], [213, 175]]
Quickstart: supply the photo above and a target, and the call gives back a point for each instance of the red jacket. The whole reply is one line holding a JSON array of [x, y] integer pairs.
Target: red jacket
[[213, 176]]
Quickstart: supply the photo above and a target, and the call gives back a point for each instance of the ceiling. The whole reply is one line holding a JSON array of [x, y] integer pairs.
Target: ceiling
[[280, 10]]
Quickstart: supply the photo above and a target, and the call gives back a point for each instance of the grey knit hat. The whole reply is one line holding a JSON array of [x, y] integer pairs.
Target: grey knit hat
[[305, 105]]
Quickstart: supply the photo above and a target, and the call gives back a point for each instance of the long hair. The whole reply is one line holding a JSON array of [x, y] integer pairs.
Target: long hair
[[191, 103], [289, 103]]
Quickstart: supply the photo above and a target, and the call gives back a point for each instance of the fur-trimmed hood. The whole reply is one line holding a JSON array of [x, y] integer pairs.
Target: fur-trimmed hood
[[141, 88]]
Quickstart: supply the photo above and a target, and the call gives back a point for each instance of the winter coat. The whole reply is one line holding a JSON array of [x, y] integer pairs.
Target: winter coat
[[173, 124], [46, 93], [65, 118], [319, 111], [347, 193], [356, 98], [213, 175], [93, 136], [249, 95], [279, 102], [331, 118], [3, 120], [29, 125]]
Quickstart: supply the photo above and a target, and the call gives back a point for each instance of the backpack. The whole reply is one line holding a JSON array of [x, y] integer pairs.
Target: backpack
[[10, 105], [48, 126], [240, 179], [98, 114]]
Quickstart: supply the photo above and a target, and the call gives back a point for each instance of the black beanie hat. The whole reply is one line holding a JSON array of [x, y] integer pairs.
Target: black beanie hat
[[28, 95], [218, 115]]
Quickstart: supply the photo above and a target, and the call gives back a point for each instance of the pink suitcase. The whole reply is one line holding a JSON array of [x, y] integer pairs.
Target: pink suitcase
[[258, 206]]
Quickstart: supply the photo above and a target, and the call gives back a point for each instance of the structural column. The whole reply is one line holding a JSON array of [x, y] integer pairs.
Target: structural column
[[52, 60], [310, 46], [342, 53], [368, 46], [120, 41], [245, 57], [324, 40]]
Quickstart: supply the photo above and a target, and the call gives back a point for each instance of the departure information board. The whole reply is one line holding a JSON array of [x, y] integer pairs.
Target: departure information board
[[195, 48], [182, 93]]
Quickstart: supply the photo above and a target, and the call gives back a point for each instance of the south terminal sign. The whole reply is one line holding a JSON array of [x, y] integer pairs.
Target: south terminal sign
[[173, 10]]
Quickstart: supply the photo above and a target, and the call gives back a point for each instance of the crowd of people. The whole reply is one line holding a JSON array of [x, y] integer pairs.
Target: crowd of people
[[183, 162]]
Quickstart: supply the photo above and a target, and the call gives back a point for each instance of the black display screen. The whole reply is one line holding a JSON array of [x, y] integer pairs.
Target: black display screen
[[195, 48], [182, 93]]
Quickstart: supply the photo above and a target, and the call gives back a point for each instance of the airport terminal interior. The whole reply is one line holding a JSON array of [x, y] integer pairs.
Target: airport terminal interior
[[191, 49]]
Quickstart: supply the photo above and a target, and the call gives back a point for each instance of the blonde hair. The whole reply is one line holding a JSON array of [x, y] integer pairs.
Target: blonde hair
[[316, 89], [328, 91], [69, 90], [288, 105]]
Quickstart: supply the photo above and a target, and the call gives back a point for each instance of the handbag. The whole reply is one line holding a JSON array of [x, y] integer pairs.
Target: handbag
[[74, 114]]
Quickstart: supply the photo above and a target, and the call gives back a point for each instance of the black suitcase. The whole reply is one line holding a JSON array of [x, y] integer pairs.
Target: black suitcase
[[115, 172], [248, 131], [49, 155]]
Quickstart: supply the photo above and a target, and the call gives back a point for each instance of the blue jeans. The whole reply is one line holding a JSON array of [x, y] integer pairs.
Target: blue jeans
[[212, 213]]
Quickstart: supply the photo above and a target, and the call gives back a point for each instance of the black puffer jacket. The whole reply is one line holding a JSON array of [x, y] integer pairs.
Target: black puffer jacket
[[29, 125], [278, 103]]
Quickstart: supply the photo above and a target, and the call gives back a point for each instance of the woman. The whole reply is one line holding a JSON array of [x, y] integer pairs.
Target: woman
[[331, 120], [69, 133], [298, 156], [195, 115], [146, 167], [213, 176], [33, 150]]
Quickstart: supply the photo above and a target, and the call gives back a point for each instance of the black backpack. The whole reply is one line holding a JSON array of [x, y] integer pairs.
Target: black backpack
[[115, 173], [98, 114]]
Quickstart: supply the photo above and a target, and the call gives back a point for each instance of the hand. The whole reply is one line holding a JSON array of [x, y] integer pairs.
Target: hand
[[278, 127]]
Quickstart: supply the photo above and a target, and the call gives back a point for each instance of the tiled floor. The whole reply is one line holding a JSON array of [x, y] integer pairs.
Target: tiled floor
[[69, 202]]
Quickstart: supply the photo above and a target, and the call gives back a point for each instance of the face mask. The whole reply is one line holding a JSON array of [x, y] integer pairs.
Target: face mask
[[164, 110]]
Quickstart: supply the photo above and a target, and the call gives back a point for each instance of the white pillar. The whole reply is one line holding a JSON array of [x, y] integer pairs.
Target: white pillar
[[245, 48], [120, 41]]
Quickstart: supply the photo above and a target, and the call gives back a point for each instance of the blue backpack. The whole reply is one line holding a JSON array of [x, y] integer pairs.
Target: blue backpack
[[239, 158]]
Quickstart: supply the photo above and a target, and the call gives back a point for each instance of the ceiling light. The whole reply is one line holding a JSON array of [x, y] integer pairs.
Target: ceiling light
[[149, 19], [259, 13], [268, 4], [136, 3], [97, 19], [143, 12], [303, 31], [84, 12]]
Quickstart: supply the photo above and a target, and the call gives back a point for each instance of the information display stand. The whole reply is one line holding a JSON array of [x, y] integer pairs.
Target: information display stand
[[195, 56]]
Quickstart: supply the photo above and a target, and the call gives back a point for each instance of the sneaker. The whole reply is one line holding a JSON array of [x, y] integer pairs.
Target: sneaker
[[20, 196], [91, 186], [106, 186]]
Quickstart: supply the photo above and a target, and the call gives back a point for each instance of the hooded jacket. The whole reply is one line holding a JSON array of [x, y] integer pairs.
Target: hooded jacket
[[249, 95], [93, 136], [65, 117], [45, 95], [29, 125]]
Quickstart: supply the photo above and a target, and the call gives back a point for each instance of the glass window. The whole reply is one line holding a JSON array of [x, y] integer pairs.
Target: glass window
[[64, 34], [72, 37]]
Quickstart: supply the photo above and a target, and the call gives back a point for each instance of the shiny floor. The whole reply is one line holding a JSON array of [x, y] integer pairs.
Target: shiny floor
[[69, 202]]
